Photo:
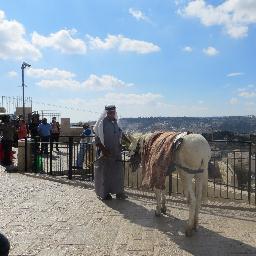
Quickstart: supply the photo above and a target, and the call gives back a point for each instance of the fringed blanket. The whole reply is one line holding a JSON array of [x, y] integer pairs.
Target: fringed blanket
[[157, 158]]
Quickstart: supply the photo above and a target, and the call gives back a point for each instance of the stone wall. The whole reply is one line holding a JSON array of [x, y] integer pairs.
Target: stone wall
[[67, 130]]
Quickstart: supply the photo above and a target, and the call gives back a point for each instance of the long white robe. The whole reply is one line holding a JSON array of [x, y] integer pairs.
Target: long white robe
[[109, 171]]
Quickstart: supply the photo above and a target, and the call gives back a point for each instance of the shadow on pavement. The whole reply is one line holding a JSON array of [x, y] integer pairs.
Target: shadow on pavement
[[203, 242]]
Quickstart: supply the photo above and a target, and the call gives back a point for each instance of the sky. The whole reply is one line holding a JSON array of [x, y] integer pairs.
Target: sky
[[148, 57]]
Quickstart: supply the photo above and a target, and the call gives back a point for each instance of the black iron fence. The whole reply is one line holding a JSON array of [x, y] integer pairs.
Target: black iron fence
[[57, 158], [231, 170]]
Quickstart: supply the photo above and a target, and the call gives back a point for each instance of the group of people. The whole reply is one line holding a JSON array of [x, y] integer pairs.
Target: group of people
[[48, 131], [11, 132]]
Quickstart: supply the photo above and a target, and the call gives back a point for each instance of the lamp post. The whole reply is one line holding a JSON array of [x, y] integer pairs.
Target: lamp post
[[23, 66]]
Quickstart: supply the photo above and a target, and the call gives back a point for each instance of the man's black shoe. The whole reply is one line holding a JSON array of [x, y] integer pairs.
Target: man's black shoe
[[121, 196], [108, 197]]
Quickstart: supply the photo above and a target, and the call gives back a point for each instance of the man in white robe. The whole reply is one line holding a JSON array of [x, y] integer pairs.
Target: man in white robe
[[108, 168]]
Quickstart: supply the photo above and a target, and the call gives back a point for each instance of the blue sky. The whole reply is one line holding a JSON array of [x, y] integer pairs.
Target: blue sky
[[149, 57]]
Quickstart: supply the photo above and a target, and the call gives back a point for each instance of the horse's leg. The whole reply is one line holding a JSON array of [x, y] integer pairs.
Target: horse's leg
[[158, 201], [199, 189], [205, 184], [184, 184], [192, 204], [163, 208]]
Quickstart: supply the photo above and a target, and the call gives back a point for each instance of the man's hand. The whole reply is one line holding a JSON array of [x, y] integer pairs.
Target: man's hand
[[104, 150]]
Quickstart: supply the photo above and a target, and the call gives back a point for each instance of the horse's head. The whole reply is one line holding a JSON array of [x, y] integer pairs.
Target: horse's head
[[136, 149]]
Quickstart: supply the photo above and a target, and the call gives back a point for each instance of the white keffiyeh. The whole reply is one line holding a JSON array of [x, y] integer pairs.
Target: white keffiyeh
[[98, 128]]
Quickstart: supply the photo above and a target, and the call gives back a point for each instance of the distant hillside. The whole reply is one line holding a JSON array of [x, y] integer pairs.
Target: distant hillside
[[236, 124]]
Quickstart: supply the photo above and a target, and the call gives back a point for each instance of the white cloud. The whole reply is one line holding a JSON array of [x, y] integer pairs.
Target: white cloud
[[234, 15], [134, 105], [247, 94], [60, 84], [93, 83], [179, 2], [210, 51], [122, 44], [62, 41], [12, 74], [235, 74], [138, 15], [233, 101], [13, 43], [130, 105], [130, 99], [187, 49], [133, 98], [250, 104], [53, 73], [104, 83]]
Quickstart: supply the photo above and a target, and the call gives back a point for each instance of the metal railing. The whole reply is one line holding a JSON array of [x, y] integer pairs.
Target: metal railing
[[231, 170], [46, 158], [231, 173]]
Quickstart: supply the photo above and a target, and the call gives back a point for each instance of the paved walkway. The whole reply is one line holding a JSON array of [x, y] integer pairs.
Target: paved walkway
[[43, 217]]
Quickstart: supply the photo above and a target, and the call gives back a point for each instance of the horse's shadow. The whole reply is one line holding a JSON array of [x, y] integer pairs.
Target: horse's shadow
[[203, 242]]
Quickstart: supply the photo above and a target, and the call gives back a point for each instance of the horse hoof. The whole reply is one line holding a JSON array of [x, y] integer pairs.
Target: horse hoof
[[157, 214], [163, 210], [188, 232], [195, 229]]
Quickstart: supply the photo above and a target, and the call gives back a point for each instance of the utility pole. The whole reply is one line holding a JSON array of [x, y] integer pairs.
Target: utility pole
[[23, 66]]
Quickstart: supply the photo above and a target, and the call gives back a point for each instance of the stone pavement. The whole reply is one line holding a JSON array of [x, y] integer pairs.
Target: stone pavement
[[42, 217]]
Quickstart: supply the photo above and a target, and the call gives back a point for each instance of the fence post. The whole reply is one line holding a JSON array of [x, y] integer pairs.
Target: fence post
[[70, 157], [91, 152], [170, 184], [51, 149], [124, 165], [26, 155], [249, 173]]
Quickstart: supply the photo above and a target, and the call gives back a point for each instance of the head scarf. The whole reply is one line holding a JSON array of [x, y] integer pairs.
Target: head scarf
[[98, 128]]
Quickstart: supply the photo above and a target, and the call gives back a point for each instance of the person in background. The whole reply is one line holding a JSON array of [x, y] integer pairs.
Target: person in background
[[55, 132], [7, 129], [34, 133], [86, 138], [108, 167], [44, 131], [22, 129], [33, 126]]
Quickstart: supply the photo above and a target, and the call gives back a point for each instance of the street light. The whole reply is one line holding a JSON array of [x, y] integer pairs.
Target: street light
[[23, 66]]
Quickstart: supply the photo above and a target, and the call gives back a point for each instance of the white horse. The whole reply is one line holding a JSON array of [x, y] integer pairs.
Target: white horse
[[191, 161]]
